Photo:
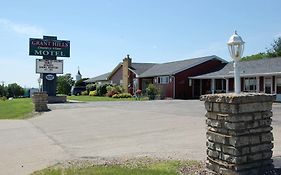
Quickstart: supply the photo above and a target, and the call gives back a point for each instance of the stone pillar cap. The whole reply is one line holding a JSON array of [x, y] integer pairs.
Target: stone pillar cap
[[238, 98]]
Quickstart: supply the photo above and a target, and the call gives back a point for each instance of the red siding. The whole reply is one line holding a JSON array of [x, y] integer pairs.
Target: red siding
[[166, 90], [183, 90]]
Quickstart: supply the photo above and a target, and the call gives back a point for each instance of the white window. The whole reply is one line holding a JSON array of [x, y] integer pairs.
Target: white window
[[250, 84], [278, 85], [164, 80]]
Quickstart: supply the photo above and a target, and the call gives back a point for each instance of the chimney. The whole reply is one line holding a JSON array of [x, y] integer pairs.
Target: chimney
[[127, 61]]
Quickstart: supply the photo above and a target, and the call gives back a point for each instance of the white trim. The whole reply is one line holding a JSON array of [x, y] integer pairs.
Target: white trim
[[257, 84], [242, 75], [227, 85], [213, 86]]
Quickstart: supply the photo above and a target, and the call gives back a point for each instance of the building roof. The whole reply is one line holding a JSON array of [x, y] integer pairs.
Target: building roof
[[175, 67], [263, 67], [103, 77], [139, 68]]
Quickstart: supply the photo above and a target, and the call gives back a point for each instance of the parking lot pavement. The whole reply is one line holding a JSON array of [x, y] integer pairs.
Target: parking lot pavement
[[165, 129]]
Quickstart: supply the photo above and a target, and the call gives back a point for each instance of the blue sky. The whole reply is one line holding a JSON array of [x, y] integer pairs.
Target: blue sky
[[103, 32]]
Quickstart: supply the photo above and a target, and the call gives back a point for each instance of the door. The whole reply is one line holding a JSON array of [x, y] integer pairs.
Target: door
[[196, 88], [268, 85]]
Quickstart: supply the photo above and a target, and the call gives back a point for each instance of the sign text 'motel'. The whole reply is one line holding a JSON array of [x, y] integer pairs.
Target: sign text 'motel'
[[45, 47]]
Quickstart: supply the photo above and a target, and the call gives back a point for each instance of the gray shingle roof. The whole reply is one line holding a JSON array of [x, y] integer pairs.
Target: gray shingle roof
[[139, 68], [102, 77], [172, 68], [267, 66]]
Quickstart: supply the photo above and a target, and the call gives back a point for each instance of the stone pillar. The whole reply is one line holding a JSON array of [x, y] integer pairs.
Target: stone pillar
[[239, 137], [40, 100]]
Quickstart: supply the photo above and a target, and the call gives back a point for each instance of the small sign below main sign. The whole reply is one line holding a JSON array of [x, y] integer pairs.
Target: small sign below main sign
[[45, 47], [49, 66], [50, 77]]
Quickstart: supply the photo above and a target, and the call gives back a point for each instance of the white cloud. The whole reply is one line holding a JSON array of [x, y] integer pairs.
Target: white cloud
[[24, 29]]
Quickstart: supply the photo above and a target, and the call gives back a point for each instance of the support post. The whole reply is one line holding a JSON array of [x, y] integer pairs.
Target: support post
[[239, 133], [50, 86], [237, 81]]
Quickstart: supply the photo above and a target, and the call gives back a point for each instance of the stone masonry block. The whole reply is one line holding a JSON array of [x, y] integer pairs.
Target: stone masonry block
[[267, 114], [233, 159], [265, 122], [254, 157], [235, 151], [214, 123], [261, 147], [267, 155], [260, 130], [213, 146], [239, 141], [267, 137], [213, 154], [218, 138]]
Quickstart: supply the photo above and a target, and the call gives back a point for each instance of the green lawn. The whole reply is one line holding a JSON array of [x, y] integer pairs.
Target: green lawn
[[159, 168], [98, 98], [16, 109]]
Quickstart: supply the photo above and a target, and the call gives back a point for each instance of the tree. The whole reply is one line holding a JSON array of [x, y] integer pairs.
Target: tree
[[3, 91], [275, 51], [64, 84], [15, 90], [81, 82]]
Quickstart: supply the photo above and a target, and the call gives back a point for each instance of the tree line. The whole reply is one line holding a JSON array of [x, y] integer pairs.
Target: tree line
[[11, 90], [273, 51]]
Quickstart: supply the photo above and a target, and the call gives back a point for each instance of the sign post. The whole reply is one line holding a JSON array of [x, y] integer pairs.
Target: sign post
[[50, 48]]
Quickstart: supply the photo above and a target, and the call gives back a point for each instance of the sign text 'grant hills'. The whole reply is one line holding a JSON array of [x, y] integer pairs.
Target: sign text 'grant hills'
[[45, 47]]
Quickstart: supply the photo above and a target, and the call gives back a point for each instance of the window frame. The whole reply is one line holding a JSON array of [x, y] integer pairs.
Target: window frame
[[250, 84]]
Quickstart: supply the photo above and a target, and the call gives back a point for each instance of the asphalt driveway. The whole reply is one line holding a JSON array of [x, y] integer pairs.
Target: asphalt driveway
[[166, 129]]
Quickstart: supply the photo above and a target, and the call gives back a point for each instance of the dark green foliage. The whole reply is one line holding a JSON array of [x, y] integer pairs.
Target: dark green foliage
[[3, 91], [255, 57], [101, 89], [122, 95], [151, 91], [91, 87], [14, 90], [112, 90], [274, 51], [81, 82], [64, 84]]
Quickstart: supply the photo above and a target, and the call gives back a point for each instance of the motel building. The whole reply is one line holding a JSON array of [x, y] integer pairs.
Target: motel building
[[191, 78], [261, 76]]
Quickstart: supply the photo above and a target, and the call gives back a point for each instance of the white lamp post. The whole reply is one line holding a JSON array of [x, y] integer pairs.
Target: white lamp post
[[236, 48]]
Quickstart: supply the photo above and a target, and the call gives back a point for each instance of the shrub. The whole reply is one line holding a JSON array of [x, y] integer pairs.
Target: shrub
[[93, 93], [84, 93], [101, 89], [112, 90], [151, 91], [123, 95], [3, 98], [91, 87]]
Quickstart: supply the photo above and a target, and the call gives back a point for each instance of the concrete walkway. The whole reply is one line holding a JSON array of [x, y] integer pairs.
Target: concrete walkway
[[166, 129]]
